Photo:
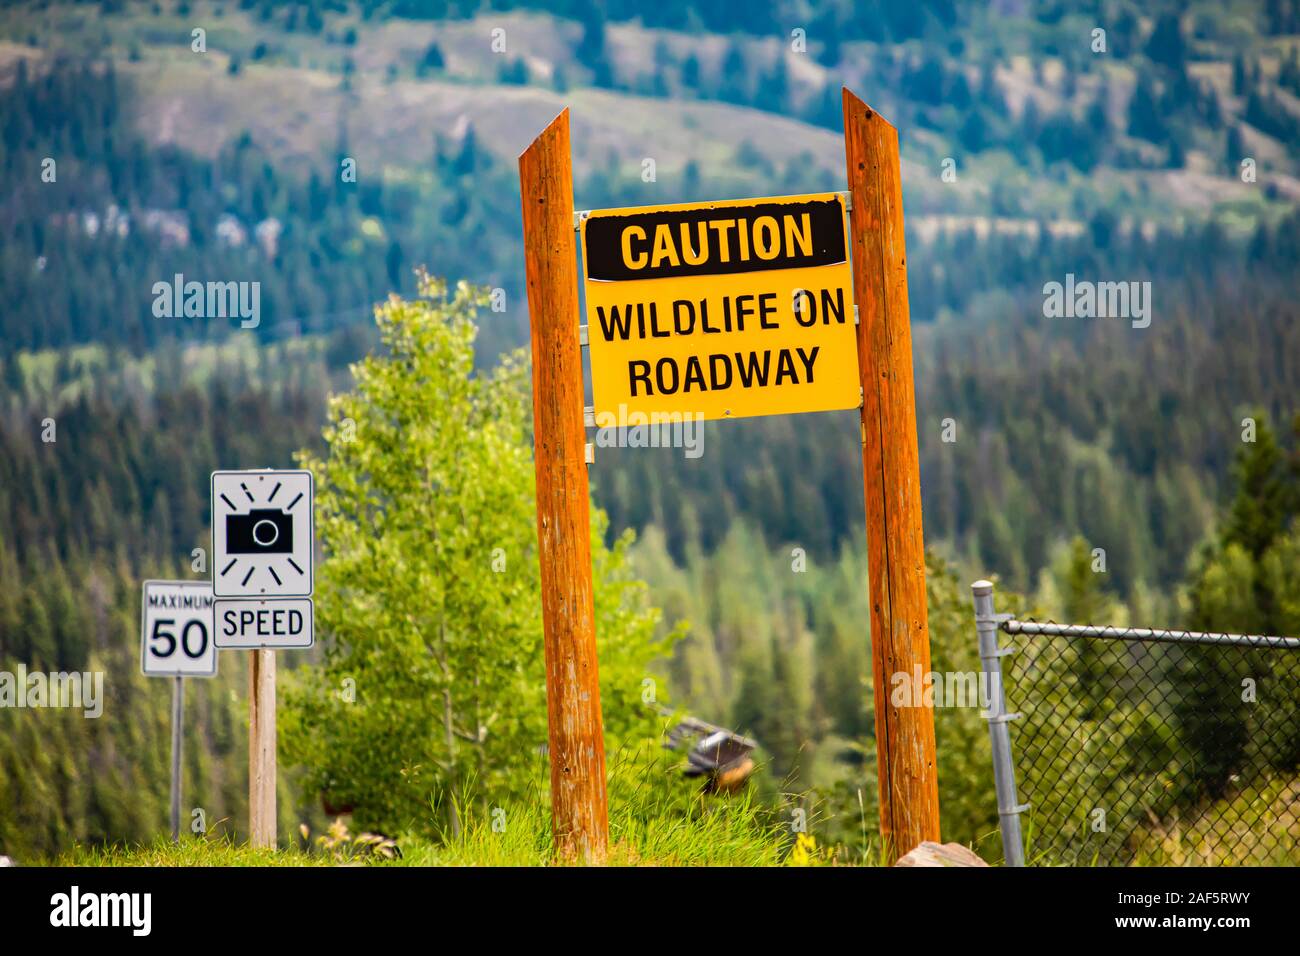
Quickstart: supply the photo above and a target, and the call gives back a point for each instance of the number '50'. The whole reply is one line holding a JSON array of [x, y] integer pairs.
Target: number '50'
[[168, 639]]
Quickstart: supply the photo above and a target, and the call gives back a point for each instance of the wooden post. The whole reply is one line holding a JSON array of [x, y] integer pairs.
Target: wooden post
[[261, 748], [900, 638], [577, 740]]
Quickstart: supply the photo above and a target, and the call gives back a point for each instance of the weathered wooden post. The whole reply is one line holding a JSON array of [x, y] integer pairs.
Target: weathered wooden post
[[900, 637], [576, 737], [261, 748]]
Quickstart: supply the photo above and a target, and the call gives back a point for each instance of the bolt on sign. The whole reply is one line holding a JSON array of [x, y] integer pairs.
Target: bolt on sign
[[721, 309]]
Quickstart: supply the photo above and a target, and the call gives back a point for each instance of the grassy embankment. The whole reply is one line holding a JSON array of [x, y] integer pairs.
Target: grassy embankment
[[730, 831]]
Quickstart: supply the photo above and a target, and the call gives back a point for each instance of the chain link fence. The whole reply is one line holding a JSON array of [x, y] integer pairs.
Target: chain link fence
[[1134, 746]]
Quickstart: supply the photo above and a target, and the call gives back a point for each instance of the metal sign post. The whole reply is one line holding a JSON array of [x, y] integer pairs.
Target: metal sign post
[[176, 642], [178, 715]]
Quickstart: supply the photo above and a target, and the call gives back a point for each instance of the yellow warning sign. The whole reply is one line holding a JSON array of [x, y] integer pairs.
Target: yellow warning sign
[[720, 310]]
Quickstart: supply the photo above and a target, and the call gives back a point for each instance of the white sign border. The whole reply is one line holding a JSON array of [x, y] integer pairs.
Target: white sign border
[[311, 524], [311, 605], [144, 639]]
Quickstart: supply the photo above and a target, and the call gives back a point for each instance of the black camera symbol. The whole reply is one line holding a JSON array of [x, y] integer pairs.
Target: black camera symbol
[[261, 531]]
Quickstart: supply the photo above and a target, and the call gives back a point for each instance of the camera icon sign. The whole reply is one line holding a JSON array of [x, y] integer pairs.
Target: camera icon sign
[[262, 533]]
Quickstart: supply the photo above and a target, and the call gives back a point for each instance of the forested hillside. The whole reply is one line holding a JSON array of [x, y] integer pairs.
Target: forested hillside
[[1037, 434]]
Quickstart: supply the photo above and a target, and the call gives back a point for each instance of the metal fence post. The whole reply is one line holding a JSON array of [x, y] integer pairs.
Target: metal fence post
[[1004, 770]]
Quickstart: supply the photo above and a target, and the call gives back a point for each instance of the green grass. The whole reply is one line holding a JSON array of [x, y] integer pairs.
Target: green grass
[[1258, 826], [188, 852], [725, 832], [655, 819], [649, 825]]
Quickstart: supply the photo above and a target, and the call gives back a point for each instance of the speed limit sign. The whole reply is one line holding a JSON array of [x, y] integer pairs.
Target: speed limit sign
[[175, 630]]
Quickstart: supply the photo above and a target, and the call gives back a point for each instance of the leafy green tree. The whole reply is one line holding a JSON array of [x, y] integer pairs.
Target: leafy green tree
[[433, 683]]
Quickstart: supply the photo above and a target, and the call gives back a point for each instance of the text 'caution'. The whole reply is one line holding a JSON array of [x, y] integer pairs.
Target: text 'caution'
[[720, 310]]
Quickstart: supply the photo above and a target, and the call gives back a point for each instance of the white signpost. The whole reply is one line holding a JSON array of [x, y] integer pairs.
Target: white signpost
[[263, 547], [176, 642]]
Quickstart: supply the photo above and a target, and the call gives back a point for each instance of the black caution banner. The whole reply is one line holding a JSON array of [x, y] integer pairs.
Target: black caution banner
[[714, 239]]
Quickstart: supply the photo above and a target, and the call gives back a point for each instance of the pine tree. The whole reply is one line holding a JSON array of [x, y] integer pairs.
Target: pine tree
[[591, 51], [1167, 45], [1144, 117], [1083, 599], [431, 61], [733, 86], [1263, 503]]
